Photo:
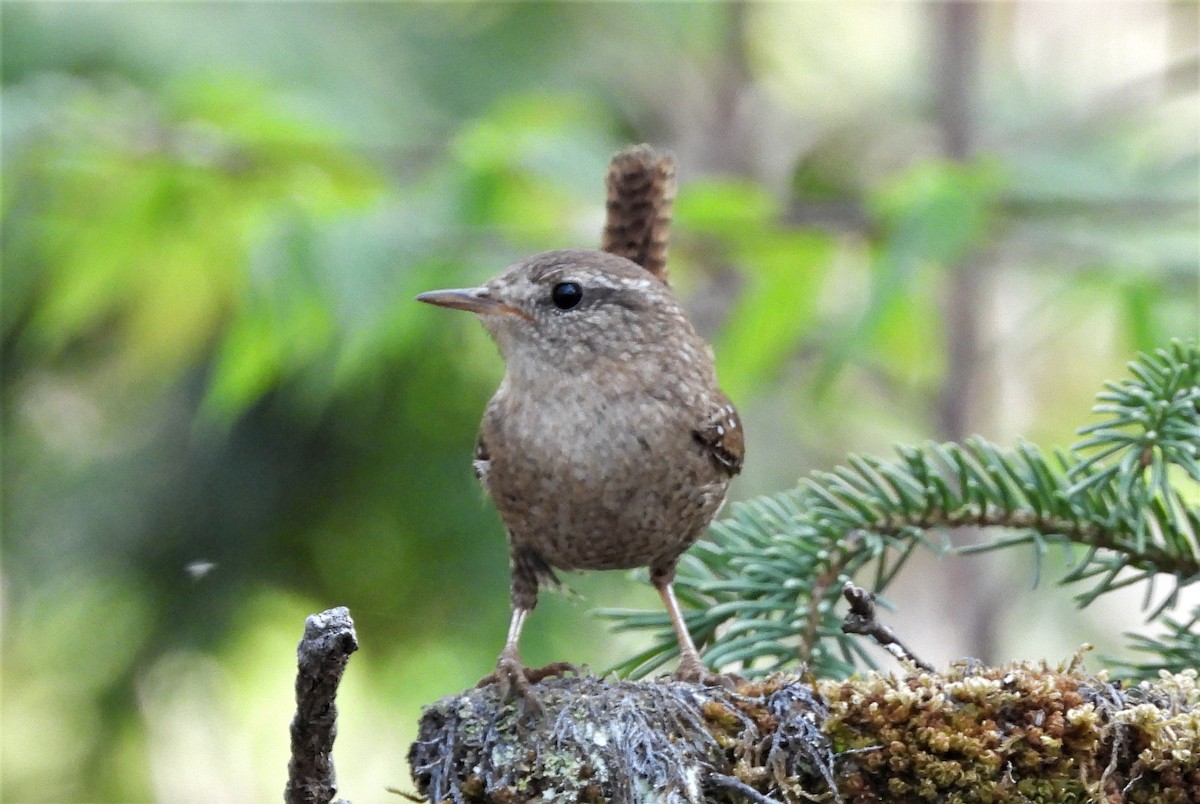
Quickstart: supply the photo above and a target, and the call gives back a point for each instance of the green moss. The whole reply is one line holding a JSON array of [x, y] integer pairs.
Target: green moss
[[1022, 733]]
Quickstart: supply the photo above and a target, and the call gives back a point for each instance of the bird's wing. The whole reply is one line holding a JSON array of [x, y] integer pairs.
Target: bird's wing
[[721, 435], [483, 459]]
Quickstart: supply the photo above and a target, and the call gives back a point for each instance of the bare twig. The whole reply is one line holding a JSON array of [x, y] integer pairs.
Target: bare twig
[[861, 620], [812, 624], [328, 641]]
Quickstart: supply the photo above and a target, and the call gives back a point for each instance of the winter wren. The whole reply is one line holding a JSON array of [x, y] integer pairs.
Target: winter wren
[[608, 444]]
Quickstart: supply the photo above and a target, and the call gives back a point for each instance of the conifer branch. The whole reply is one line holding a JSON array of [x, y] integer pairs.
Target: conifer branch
[[764, 589]]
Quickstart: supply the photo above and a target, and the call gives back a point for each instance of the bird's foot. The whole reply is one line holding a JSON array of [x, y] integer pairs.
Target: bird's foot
[[694, 672], [514, 677], [536, 674], [509, 674]]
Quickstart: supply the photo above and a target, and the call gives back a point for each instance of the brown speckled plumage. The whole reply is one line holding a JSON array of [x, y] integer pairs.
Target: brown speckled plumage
[[609, 444], [603, 458]]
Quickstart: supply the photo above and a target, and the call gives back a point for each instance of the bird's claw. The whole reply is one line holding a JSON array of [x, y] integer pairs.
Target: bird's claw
[[513, 676], [536, 674], [694, 672]]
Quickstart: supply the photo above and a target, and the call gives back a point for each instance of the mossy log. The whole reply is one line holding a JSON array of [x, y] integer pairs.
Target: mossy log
[[1022, 733]]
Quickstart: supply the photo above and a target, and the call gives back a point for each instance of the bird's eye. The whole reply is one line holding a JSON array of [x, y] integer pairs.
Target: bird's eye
[[566, 295]]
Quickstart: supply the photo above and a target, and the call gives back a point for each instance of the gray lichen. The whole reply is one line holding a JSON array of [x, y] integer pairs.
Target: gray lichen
[[620, 741]]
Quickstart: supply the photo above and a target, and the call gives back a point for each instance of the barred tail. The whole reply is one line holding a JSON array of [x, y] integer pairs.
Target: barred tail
[[641, 190]]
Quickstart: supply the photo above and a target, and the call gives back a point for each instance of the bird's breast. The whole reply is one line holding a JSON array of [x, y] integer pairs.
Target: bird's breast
[[598, 477]]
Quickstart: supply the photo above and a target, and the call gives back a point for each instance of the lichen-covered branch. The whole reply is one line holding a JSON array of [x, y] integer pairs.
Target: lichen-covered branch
[[1017, 733], [621, 741]]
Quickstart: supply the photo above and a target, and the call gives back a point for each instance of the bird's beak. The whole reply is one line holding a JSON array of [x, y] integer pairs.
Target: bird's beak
[[475, 300]]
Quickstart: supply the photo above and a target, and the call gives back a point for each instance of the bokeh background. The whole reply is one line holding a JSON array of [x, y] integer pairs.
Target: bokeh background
[[222, 410]]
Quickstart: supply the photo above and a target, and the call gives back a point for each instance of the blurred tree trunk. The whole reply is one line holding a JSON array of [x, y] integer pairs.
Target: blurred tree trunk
[[955, 83]]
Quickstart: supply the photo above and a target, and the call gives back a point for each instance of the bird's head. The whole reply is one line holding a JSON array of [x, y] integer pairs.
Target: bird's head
[[572, 309]]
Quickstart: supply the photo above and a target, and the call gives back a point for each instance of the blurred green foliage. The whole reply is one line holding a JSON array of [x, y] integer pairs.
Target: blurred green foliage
[[222, 411]]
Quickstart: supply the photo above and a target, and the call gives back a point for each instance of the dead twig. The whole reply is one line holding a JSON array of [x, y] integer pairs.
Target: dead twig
[[861, 620], [328, 641]]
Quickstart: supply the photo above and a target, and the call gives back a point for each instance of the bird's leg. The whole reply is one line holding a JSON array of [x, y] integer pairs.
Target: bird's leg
[[690, 666], [510, 673]]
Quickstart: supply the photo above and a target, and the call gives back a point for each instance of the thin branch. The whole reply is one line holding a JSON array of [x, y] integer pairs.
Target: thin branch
[[812, 622], [861, 620], [1085, 533]]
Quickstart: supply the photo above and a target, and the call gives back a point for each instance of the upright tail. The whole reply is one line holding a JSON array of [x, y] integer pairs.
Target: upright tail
[[641, 190]]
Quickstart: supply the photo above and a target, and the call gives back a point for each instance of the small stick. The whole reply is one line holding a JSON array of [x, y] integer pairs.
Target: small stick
[[328, 641], [861, 620]]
